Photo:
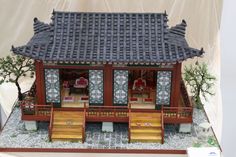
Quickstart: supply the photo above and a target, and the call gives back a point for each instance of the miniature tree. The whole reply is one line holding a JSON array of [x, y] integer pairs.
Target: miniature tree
[[200, 82], [13, 67]]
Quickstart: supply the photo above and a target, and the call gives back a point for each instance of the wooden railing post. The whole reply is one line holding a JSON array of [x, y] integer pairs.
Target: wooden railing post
[[162, 125], [51, 125], [129, 117]]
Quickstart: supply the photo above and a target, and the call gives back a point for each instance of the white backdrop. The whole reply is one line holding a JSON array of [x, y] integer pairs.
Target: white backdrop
[[203, 19]]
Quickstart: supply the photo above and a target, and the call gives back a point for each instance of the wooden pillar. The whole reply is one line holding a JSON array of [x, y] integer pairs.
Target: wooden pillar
[[40, 86], [108, 84], [176, 85]]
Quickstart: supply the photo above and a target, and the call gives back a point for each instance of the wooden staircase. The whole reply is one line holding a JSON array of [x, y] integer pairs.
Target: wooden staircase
[[68, 126], [146, 127]]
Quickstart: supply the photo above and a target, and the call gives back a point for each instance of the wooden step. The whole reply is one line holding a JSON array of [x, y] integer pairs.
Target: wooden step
[[66, 137], [146, 120], [147, 125], [67, 122], [62, 128], [67, 126], [145, 138], [145, 131]]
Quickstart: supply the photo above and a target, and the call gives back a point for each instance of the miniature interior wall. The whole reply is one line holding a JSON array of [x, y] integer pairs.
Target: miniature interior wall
[[203, 20]]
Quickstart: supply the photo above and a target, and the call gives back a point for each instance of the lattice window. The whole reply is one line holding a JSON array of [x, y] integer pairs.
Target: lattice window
[[120, 88], [163, 87], [52, 84], [96, 86]]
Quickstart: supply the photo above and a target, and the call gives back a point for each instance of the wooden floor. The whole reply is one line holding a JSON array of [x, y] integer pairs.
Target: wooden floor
[[78, 103], [145, 127], [68, 126]]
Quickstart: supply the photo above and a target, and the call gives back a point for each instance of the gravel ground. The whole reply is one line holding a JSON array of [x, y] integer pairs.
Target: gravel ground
[[15, 136]]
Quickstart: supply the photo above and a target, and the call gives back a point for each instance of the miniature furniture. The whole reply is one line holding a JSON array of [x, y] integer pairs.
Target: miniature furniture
[[65, 84], [139, 87], [80, 84], [68, 99]]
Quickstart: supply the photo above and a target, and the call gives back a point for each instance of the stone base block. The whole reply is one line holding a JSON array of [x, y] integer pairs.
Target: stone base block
[[31, 125], [107, 126], [185, 127]]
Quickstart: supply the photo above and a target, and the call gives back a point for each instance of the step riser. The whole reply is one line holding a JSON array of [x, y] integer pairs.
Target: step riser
[[144, 134], [70, 140], [67, 126], [146, 121], [145, 141]]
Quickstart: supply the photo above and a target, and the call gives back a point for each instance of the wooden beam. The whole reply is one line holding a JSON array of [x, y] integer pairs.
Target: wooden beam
[[176, 85], [108, 83], [40, 86]]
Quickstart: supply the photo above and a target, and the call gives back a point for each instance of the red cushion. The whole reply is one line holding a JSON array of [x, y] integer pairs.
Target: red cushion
[[148, 99], [139, 82], [133, 99]]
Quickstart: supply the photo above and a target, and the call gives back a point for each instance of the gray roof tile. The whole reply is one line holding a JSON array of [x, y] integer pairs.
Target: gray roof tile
[[108, 37]]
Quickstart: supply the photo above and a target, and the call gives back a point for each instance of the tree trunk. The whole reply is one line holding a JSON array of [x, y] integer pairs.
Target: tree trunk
[[20, 95]]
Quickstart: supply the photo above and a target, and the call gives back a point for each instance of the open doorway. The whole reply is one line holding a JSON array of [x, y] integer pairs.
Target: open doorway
[[74, 88], [142, 89]]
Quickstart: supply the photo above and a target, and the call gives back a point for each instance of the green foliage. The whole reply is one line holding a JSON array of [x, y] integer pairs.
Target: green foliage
[[212, 141], [200, 82], [13, 67]]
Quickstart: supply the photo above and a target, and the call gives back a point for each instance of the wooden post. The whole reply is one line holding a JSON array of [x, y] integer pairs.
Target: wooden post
[[108, 84], [176, 85], [40, 86]]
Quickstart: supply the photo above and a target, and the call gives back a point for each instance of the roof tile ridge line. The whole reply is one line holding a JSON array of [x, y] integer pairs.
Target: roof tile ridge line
[[177, 50], [170, 52], [118, 39], [124, 48], [80, 35], [97, 12], [137, 37], [73, 38], [86, 38], [61, 38], [162, 39], [54, 22], [93, 36], [105, 40], [32, 47], [150, 45], [98, 46], [156, 43], [143, 40], [67, 40], [184, 54], [131, 40], [112, 36], [38, 51]]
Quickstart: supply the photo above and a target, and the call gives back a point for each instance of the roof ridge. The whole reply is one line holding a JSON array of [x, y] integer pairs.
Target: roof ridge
[[40, 26]]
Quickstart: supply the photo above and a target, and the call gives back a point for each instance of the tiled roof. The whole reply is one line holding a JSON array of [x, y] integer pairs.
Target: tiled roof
[[108, 37]]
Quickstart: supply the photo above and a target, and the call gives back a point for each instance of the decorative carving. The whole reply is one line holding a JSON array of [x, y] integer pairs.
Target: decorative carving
[[52, 84], [120, 89], [163, 87], [96, 86]]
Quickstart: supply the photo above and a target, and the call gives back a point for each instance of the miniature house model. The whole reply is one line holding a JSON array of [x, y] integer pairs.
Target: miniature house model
[[108, 67]]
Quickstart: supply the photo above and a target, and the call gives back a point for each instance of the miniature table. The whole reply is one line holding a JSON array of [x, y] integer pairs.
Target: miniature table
[[143, 91]]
